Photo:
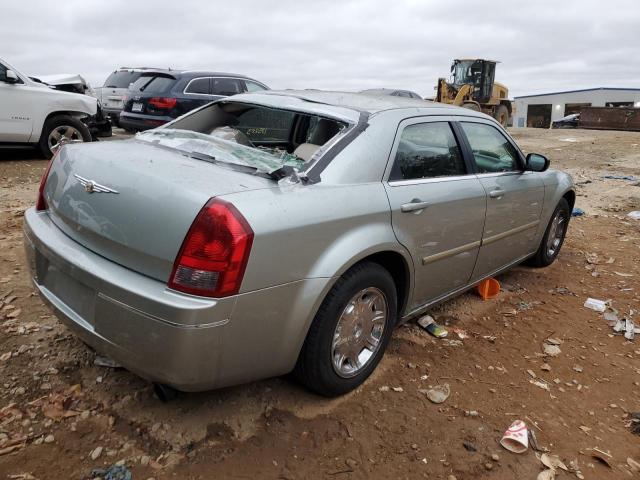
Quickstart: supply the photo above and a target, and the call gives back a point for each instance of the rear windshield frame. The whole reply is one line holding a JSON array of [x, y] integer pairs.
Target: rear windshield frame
[[146, 80], [131, 75]]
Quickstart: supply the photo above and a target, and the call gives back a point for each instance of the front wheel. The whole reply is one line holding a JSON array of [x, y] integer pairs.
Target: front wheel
[[350, 332], [60, 130], [553, 237]]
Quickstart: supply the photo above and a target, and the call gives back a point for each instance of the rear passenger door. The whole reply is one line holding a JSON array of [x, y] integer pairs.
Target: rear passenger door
[[514, 197], [437, 206]]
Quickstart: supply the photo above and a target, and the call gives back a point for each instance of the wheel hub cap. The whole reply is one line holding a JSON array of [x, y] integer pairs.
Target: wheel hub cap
[[556, 233], [62, 135], [359, 331]]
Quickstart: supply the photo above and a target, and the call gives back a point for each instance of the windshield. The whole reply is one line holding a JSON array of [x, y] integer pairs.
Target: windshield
[[467, 71], [265, 160]]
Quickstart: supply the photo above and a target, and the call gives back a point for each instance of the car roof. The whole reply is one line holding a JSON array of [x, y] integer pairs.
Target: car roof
[[356, 102], [192, 73]]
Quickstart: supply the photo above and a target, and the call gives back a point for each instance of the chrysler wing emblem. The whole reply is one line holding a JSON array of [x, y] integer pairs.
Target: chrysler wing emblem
[[92, 187]]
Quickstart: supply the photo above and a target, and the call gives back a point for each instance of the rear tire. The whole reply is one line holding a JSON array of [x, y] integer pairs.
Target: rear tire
[[502, 115], [366, 290], [61, 127], [553, 236]]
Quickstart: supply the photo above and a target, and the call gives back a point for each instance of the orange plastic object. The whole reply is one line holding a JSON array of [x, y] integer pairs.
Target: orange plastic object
[[489, 288]]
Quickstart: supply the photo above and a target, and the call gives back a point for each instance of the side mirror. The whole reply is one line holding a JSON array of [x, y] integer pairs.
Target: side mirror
[[11, 77], [537, 162]]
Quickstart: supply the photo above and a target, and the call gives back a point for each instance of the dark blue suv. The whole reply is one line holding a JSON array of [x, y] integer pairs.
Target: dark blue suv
[[159, 96]]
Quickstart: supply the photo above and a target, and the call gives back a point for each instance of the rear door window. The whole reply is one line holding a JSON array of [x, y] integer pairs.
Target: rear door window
[[492, 151], [153, 84], [226, 86], [3, 73], [199, 86], [427, 150]]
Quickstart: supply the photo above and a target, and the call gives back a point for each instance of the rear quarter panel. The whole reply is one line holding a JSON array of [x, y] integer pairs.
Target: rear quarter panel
[[556, 185], [313, 231]]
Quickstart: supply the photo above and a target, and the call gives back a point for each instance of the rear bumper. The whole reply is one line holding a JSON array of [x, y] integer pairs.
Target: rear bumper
[[112, 110], [140, 121], [188, 342]]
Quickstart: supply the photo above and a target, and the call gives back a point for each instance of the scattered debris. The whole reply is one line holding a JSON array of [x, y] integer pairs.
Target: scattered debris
[[540, 384], [469, 447], [115, 472], [398, 389], [102, 361], [95, 453], [630, 178], [633, 465], [439, 393], [546, 475], [601, 457], [595, 304], [635, 215], [533, 441], [634, 424], [429, 324], [552, 461], [551, 349], [577, 212], [516, 438]]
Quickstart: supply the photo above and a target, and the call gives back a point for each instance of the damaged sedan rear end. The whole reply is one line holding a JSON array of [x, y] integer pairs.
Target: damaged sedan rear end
[[282, 231]]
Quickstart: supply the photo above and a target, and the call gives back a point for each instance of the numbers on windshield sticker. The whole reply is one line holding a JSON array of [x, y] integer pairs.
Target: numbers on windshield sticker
[[256, 131]]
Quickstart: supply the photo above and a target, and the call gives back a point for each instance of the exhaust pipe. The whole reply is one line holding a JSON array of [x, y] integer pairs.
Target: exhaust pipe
[[165, 393]]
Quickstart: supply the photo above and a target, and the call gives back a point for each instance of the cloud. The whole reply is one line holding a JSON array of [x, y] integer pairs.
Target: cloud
[[347, 45]]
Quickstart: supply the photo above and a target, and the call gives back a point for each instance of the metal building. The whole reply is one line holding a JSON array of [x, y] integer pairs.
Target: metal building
[[542, 109]]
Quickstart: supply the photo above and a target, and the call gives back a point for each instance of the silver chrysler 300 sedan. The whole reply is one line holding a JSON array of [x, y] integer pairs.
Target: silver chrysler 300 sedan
[[284, 231]]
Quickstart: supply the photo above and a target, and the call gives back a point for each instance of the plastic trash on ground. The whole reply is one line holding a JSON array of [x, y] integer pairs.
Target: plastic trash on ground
[[595, 304], [429, 324], [634, 215], [488, 289], [577, 212], [516, 438]]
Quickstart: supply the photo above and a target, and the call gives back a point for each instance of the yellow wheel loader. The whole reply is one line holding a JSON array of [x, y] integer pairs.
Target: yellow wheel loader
[[472, 86]]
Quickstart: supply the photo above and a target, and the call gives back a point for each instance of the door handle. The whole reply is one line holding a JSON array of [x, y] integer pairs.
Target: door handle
[[497, 193], [415, 205]]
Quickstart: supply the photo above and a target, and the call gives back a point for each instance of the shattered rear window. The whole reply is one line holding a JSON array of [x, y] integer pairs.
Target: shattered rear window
[[264, 160]]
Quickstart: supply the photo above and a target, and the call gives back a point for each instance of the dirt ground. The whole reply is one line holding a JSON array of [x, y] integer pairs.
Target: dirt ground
[[62, 416]]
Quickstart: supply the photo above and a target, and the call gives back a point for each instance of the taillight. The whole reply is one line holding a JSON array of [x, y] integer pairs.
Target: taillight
[[41, 203], [163, 103], [215, 252]]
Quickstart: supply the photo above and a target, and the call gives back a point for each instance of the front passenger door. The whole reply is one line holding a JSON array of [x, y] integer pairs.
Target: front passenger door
[[437, 206], [514, 198]]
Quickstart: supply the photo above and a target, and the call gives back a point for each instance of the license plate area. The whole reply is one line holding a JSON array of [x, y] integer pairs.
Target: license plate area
[[137, 107], [75, 295]]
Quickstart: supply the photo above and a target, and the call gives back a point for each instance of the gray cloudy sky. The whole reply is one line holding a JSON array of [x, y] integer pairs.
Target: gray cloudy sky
[[348, 45]]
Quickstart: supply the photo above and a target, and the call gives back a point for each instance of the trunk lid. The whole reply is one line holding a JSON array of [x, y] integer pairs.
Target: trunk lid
[[159, 193], [150, 95]]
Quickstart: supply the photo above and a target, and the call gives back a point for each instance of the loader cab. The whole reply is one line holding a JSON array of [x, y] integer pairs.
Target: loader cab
[[476, 72]]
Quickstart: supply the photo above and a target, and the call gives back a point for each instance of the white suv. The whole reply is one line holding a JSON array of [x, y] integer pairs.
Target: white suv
[[33, 113]]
